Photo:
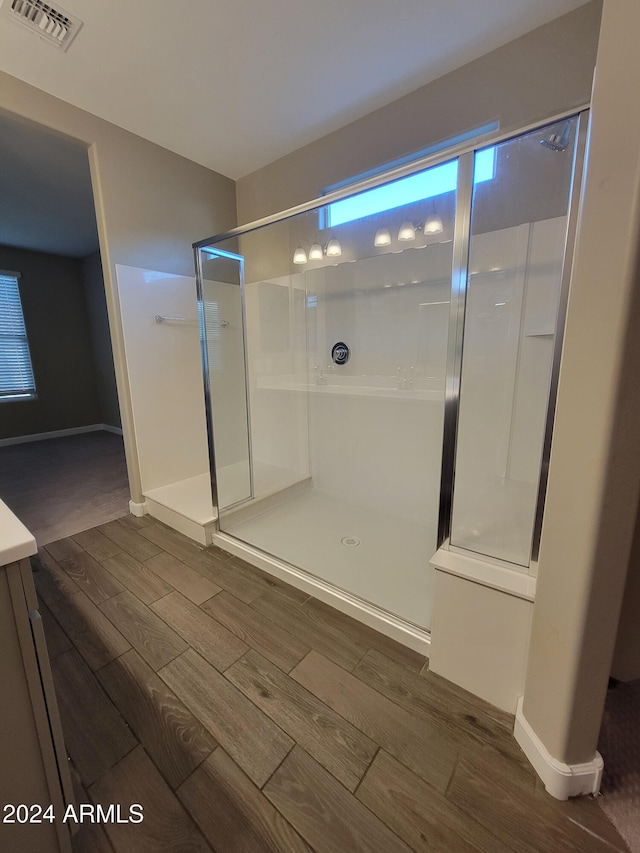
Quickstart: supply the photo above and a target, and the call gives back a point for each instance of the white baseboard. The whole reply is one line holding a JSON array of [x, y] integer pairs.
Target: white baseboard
[[138, 509], [109, 428], [57, 433], [561, 780]]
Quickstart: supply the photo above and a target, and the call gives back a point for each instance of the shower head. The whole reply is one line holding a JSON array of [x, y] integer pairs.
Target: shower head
[[558, 141]]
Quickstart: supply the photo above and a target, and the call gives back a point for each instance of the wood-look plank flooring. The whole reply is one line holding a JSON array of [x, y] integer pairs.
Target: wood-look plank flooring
[[246, 733], [246, 716], [426, 747], [148, 634], [233, 813], [209, 638], [137, 577], [166, 827], [301, 788], [122, 535], [183, 578], [169, 732], [327, 736], [273, 642], [86, 571], [96, 735]]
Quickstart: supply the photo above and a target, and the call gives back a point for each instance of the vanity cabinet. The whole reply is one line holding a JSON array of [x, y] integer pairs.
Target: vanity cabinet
[[33, 763]]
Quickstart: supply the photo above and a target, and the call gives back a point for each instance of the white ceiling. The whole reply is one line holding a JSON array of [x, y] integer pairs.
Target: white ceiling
[[236, 84]]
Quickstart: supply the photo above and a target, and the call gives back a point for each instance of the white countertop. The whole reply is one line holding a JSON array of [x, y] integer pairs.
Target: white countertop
[[15, 540]]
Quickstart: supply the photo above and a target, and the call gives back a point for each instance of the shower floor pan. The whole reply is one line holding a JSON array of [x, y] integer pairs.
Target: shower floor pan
[[380, 559]]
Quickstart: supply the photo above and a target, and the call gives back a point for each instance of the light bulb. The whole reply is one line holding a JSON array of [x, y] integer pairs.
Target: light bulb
[[315, 252], [299, 256], [334, 249], [382, 238], [433, 225], [407, 231]]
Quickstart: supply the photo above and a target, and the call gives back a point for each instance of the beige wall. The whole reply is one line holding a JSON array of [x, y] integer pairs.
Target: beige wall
[[594, 474], [151, 206], [96, 302], [626, 658], [546, 71], [60, 345]]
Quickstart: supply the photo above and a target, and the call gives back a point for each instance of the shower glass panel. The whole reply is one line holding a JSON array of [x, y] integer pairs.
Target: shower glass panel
[[221, 318], [347, 318], [517, 245]]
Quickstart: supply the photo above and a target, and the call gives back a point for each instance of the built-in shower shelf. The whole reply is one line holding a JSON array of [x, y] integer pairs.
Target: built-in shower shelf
[[389, 393]]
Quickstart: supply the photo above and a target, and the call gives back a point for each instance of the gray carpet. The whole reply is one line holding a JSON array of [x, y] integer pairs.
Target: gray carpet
[[619, 745], [61, 486]]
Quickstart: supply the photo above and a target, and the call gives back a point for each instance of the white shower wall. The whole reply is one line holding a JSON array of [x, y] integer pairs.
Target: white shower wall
[[542, 292], [276, 356], [376, 422], [368, 432], [164, 368], [225, 346]]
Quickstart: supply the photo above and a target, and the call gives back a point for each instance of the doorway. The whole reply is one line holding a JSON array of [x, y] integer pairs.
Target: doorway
[[62, 467]]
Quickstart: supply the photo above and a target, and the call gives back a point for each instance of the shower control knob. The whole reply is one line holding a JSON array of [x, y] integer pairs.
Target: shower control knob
[[340, 353]]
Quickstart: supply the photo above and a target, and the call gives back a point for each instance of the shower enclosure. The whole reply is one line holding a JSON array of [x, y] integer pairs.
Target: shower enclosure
[[380, 369]]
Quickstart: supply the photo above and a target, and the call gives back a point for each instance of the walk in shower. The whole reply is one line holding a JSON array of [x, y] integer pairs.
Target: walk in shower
[[379, 366]]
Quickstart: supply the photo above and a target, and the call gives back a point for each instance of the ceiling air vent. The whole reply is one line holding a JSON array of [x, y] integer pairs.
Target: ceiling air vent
[[51, 23]]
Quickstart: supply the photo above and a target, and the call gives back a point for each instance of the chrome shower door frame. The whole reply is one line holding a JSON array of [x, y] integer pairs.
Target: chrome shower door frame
[[458, 297], [464, 153], [206, 373], [577, 181]]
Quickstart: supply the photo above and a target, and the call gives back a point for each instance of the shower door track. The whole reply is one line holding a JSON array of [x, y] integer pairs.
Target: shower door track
[[405, 632]]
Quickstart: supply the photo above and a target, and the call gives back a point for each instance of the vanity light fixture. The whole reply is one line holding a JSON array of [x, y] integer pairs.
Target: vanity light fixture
[[334, 249], [433, 225], [407, 231], [382, 237], [299, 256]]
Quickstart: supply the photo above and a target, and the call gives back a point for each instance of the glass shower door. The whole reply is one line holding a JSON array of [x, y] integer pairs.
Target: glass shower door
[[347, 324], [516, 257], [392, 386], [220, 302]]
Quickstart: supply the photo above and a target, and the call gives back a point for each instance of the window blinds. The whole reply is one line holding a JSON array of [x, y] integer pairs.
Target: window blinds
[[16, 373]]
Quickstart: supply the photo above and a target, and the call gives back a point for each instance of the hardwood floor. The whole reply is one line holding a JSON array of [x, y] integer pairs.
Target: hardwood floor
[[96, 735], [175, 740], [329, 738], [243, 730], [245, 716]]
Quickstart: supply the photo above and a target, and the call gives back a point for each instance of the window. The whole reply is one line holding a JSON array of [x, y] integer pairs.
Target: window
[[428, 184], [16, 373]]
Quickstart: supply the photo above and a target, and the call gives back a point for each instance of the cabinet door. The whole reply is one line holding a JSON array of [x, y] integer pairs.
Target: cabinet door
[[33, 755]]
